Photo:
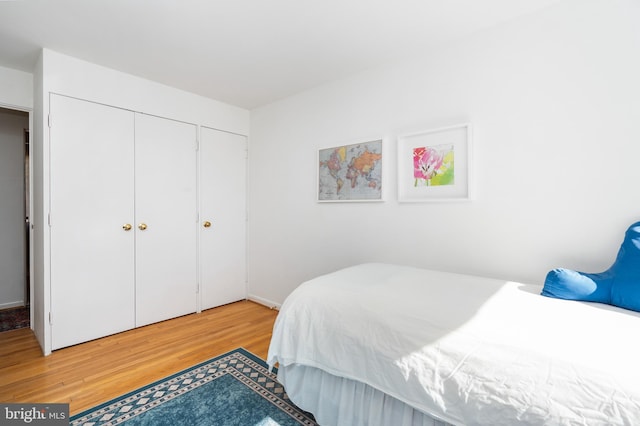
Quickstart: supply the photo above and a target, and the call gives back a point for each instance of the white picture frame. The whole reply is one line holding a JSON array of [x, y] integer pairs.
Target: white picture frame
[[350, 172]]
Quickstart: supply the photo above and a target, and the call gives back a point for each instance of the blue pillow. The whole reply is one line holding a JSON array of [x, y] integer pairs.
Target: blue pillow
[[574, 285], [619, 285]]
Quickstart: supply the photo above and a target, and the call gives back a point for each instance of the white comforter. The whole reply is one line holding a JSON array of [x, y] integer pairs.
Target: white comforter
[[467, 350]]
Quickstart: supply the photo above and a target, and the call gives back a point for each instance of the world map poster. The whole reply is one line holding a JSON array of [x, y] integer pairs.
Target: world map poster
[[351, 172]]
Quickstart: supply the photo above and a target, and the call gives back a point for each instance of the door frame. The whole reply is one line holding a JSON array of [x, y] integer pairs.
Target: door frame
[[27, 215]]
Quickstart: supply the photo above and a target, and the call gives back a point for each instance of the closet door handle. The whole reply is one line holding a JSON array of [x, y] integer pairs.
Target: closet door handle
[[127, 226], [142, 226], [206, 224]]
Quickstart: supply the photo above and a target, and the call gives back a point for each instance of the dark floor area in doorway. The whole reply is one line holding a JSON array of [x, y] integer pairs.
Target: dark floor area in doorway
[[14, 318]]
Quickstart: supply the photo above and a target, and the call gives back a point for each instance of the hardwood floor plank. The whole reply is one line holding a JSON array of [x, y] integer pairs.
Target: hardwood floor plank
[[94, 372]]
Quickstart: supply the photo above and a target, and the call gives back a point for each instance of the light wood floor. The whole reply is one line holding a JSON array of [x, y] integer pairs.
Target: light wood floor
[[94, 372]]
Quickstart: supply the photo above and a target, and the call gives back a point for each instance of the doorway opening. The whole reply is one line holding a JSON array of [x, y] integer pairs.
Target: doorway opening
[[15, 293]]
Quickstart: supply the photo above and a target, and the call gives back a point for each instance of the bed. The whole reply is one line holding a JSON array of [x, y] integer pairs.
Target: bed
[[380, 344]]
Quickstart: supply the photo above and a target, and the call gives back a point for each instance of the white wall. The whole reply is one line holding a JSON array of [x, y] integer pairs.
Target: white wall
[[61, 74], [16, 89], [554, 99], [12, 208], [77, 78]]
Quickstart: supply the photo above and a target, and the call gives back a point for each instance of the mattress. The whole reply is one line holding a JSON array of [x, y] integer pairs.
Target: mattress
[[465, 350]]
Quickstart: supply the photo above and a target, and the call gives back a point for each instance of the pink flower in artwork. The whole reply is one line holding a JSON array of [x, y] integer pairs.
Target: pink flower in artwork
[[426, 162]]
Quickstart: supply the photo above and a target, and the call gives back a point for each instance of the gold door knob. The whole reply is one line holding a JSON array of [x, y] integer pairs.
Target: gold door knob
[[142, 226], [126, 227], [206, 224]]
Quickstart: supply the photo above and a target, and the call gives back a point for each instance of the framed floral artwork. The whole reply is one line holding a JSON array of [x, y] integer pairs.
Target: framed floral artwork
[[436, 165]]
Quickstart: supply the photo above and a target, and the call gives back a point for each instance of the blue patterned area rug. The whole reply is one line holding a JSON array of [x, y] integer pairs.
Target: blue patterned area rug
[[233, 389]]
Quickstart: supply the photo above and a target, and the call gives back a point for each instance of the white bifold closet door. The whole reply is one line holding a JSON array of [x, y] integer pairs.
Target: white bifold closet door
[[91, 198], [166, 205], [223, 181], [123, 220]]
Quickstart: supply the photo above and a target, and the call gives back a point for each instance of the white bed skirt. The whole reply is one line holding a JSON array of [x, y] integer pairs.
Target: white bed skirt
[[337, 401]]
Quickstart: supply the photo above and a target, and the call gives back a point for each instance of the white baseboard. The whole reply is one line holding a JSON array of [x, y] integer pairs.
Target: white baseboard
[[265, 302], [8, 305]]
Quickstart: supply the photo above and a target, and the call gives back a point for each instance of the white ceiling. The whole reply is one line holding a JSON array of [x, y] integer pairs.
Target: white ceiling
[[242, 52]]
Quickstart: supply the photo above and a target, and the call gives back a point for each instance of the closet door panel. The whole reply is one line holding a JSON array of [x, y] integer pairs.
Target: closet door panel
[[92, 256], [223, 205], [166, 204]]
